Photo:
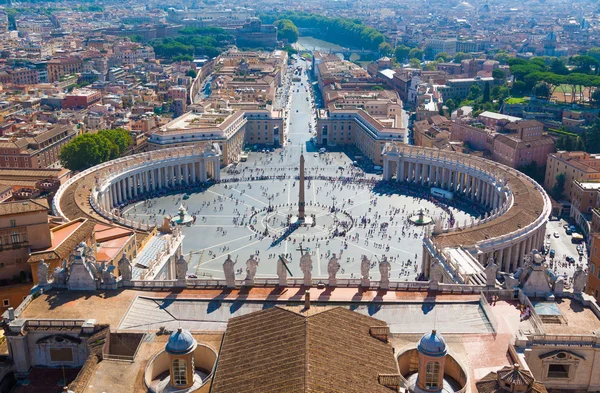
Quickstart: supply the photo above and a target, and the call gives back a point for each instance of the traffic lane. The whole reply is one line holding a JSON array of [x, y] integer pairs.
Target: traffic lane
[[562, 244]]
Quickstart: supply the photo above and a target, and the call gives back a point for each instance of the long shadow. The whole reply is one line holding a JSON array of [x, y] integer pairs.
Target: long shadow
[[356, 298], [325, 295], [240, 300]]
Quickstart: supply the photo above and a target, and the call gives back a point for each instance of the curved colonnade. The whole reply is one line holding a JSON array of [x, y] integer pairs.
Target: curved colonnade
[[519, 207], [119, 181]]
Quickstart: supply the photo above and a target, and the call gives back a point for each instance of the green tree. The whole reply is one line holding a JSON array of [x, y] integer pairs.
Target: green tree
[[450, 104], [518, 87], [443, 56], [596, 97], [286, 30], [585, 64], [416, 53], [87, 150], [594, 52], [431, 66], [385, 49], [486, 92], [401, 53], [542, 90], [474, 92], [559, 187], [558, 67], [191, 73], [415, 63], [499, 75], [460, 56]]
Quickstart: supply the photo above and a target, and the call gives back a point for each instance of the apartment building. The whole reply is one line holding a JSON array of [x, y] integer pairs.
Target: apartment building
[[459, 88], [63, 66], [39, 149], [575, 165]]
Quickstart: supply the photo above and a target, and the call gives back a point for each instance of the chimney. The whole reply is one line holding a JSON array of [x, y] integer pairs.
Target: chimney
[[382, 333], [11, 314], [307, 299]]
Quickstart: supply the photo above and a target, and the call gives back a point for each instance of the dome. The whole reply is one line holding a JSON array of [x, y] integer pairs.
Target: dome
[[432, 344], [180, 342], [464, 6]]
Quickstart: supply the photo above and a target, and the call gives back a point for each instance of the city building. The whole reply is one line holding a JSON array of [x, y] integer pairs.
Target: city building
[[62, 66], [458, 89], [574, 165], [254, 34]]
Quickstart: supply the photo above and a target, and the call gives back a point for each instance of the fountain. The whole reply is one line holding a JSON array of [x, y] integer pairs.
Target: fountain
[[182, 217], [420, 219]]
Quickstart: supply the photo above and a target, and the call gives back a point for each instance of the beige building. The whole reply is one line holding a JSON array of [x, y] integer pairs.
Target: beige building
[[230, 129], [575, 165], [364, 119], [23, 228], [63, 66]]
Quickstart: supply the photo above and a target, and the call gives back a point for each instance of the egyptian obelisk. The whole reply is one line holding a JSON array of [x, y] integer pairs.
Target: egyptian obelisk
[[301, 193]]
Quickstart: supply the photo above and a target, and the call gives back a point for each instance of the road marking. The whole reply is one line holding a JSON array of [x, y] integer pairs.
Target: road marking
[[251, 197], [231, 251]]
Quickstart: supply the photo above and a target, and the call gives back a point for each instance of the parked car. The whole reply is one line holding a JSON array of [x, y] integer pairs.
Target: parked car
[[556, 234], [552, 253]]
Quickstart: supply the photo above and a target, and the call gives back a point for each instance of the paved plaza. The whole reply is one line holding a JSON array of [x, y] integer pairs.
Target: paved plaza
[[354, 214]]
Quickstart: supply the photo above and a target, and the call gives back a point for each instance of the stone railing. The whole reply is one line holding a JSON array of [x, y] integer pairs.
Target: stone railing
[[298, 282], [534, 319], [565, 340]]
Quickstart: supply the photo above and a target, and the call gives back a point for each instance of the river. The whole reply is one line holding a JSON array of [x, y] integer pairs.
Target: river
[[312, 44]]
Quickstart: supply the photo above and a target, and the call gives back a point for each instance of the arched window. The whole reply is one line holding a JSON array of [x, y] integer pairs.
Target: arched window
[[432, 375], [179, 372]]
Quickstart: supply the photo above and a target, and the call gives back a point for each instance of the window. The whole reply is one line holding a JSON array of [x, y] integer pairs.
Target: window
[[15, 237], [13, 223], [179, 372], [558, 371], [432, 375], [5, 302]]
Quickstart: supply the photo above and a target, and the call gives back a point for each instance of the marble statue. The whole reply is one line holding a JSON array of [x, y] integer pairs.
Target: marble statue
[[181, 268], [579, 280], [229, 270], [384, 272], [306, 267], [282, 271], [333, 267], [490, 272], [435, 272], [125, 268], [365, 268], [42, 273], [60, 274], [108, 276], [251, 266]]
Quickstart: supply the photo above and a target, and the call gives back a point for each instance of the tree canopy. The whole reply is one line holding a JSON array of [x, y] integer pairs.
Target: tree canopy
[[87, 150], [193, 41], [286, 30], [401, 53], [341, 31]]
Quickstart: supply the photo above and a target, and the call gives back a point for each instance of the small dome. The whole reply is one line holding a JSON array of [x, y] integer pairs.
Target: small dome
[[518, 379], [464, 6], [432, 344], [180, 342]]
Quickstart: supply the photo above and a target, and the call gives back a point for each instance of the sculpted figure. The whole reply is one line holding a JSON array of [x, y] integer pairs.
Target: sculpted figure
[[490, 272], [306, 267], [282, 271], [365, 268], [229, 270], [42, 272], [181, 268], [125, 268], [579, 280], [251, 266], [332, 269], [436, 275], [384, 272]]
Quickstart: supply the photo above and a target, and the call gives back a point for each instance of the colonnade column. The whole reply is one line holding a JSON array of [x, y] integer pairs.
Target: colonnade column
[[515, 260], [507, 261], [217, 169], [194, 179]]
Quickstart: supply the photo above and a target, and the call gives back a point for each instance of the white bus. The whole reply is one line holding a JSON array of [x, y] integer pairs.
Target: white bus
[[439, 193]]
